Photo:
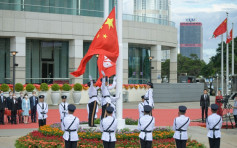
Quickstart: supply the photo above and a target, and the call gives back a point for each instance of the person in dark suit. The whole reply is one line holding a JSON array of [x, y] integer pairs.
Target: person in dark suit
[[33, 105], [204, 103], [13, 107], [20, 107], [8, 102], [2, 107]]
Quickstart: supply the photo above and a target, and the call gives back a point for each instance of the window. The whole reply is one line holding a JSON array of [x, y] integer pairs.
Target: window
[[4, 60]]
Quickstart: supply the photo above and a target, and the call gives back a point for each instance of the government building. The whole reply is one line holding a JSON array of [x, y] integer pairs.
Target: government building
[[52, 36]]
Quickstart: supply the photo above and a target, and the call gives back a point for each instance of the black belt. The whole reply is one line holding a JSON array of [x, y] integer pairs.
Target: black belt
[[146, 131], [68, 130], [109, 131], [109, 134], [93, 96], [180, 130], [105, 96], [214, 129], [146, 99]]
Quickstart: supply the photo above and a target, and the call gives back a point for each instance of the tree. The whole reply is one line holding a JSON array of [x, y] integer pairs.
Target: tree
[[165, 68]]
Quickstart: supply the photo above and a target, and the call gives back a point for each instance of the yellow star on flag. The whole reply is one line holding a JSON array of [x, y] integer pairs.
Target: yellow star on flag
[[105, 36], [109, 22], [101, 27], [98, 36]]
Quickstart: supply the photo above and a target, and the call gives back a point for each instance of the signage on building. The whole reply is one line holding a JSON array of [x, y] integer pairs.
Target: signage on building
[[190, 20]]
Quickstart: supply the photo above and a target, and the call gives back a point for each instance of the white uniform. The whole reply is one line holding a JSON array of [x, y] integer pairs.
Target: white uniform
[[63, 110], [92, 92], [146, 131], [113, 104], [87, 108], [141, 109], [108, 129], [67, 121], [181, 133], [42, 110], [105, 92], [149, 98], [212, 120]]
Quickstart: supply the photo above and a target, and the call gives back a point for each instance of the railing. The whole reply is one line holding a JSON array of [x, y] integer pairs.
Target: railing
[[76, 11]]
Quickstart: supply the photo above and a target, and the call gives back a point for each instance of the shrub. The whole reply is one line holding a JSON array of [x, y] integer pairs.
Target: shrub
[[129, 121], [44, 87], [5, 88], [19, 87], [66, 87], [55, 87], [77, 87], [30, 87]]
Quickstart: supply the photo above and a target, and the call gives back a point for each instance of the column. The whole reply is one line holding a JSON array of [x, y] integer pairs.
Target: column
[[173, 65], [156, 63], [125, 63], [18, 44], [75, 57]]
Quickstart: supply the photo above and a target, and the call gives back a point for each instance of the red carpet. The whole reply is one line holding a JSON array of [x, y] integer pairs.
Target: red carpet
[[163, 117]]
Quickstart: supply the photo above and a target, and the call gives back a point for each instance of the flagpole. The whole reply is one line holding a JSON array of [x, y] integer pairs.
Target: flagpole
[[227, 57], [119, 67], [222, 66], [233, 54], [106, 9]]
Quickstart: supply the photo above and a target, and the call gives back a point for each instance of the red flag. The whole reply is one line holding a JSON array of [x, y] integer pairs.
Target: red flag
[[105, 43], [229, 37], [220, 29], [105, 64]]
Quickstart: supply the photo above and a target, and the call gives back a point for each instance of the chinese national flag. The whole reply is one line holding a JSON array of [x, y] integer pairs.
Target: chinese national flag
[[229, 37], [105, 64], [220, 29], [105, 43]]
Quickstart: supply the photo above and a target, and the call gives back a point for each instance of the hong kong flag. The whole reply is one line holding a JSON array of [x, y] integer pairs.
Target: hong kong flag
[[229, 37], [220, 29], [106, 65], [105, 43]]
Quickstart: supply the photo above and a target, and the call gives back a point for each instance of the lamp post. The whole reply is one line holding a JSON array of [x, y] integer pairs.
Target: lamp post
[[14, 71], [217, 83], [150, 59], [97, 56]]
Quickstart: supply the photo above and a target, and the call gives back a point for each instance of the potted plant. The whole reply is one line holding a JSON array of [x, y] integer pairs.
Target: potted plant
[[5, 89], [55, 94], [18, 87], [77, 93], [43, 90], [65, 91], [30, 88]]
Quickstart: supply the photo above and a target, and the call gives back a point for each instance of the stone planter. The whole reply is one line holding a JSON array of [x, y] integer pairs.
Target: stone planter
[[45, 95], [76, 97], [6, 94], [17, 94], [55, 97], [66, 93], [29, 94]]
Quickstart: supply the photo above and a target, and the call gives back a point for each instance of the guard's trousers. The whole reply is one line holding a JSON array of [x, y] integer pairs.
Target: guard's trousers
[[180, 143], [235, 117], [214, 142], [70, 144], [42, 122], [103, 115], [92, 112], [109, 144], [145, 144]]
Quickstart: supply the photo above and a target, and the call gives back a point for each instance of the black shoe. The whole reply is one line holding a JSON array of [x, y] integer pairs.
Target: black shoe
[[94, 126]]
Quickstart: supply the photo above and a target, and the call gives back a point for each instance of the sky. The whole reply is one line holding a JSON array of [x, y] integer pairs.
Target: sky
[[209, 12]]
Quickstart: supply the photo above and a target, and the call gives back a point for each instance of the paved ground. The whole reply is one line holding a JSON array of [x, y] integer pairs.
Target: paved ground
[[9, 136]]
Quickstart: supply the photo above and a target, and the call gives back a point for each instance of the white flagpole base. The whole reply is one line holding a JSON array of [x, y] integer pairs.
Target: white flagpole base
[[121, 124]]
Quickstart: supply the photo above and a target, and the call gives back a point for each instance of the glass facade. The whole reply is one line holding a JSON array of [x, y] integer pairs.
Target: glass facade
[[46, 59], [138, 64], [4, 60]]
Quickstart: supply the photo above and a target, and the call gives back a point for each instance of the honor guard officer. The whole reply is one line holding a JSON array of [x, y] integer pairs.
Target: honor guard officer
[[180, 127], [108, 126], [42, 110], [214, 124], [70, 127], [149, 95], [93, 101], [106, 100], [146, 125], [63, 108], [113, 104], [141, 107]]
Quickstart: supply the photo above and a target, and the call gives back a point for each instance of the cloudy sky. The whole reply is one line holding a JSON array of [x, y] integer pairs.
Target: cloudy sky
[[210, 12]]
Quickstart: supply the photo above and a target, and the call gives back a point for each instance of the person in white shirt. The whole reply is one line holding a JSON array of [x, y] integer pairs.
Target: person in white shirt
[[149, 95], [42, 110], [180, 127], [113, 104], [106, 100], [70, 127], [93, 101], [63, 111], [146, 125], [214, 124], [141, 107], [108, 126]]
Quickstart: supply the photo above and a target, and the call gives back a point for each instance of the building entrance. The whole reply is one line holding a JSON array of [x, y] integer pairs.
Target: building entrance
[[47, 72]]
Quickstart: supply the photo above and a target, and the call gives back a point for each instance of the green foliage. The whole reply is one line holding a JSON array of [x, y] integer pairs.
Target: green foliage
[[77, 87], [165, 66], [19, 87], [66, 87], [129, 121], [44, 87], [30, 87], [55, 87], [4, 87], [97, 121]]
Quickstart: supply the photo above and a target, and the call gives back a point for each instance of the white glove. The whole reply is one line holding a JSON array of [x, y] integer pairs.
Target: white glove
[[115, 78], [103, 73], [90, 77]]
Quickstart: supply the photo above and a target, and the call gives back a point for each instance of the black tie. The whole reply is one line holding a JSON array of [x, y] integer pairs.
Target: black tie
[[64, 107], [42, 105]]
